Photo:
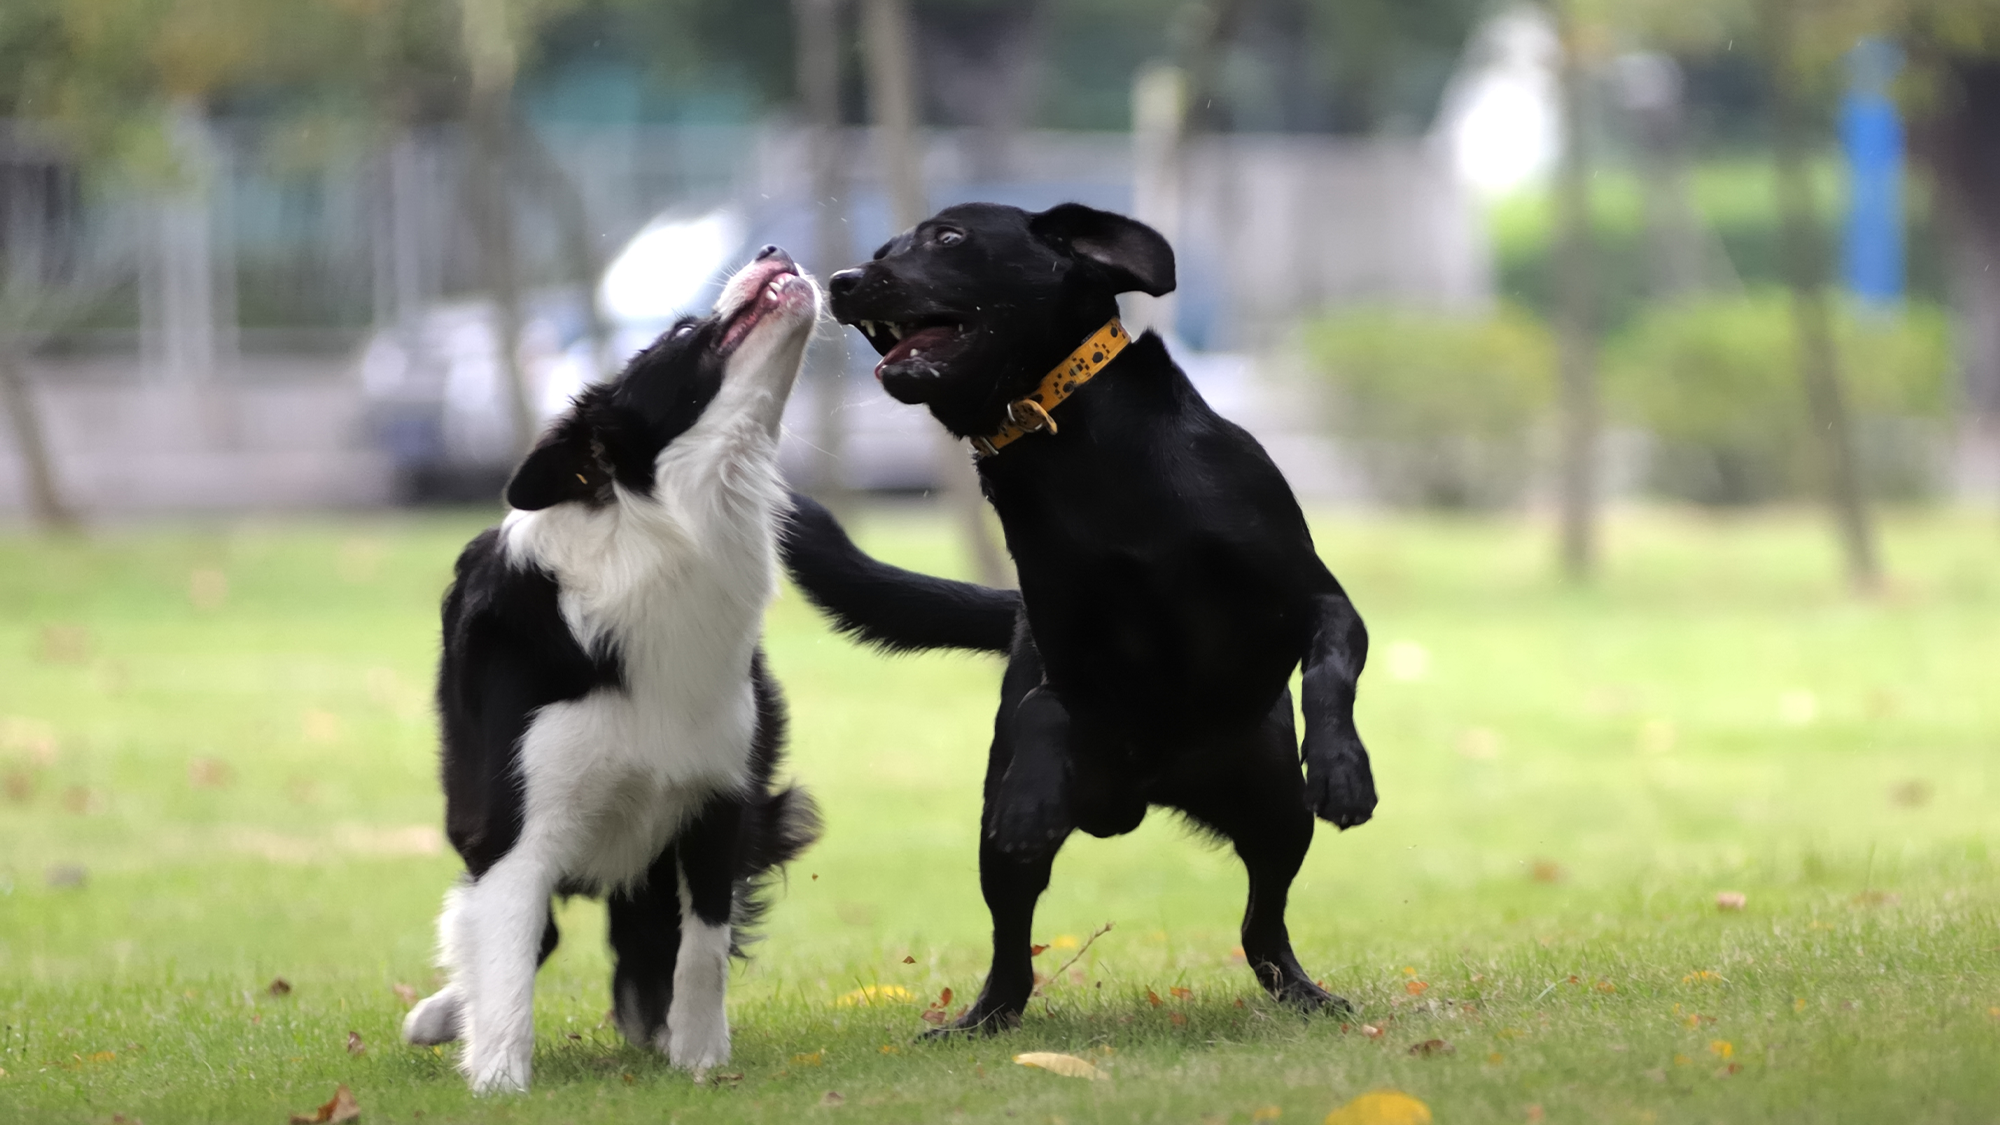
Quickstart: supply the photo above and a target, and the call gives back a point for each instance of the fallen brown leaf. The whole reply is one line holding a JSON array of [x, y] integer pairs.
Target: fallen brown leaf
[[1730, 900], [1430, 1047], [1371, 1031], [1546, 871], [407, 995], [1037, 950], [1152, 998], [1415, 987], [909, 960], [279, 986], [65, 644], [209, 773], [1179, 1019], [354, 1044], [1180, 993], [342, 1108], [831, 1097]]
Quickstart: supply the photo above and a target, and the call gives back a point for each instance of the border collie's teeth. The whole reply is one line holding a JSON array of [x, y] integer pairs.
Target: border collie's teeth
[[868, 327], [896, 330]]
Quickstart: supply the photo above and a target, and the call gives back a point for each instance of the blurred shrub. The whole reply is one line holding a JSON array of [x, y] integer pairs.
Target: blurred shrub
[[1439, 410], [1716, 382]]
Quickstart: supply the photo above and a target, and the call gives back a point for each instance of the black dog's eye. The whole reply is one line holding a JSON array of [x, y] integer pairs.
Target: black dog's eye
[[950, 237], [683, 330]]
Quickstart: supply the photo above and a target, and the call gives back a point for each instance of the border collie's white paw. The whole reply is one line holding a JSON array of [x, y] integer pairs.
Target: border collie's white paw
[[436, 1019], [503, 1070], [700, 1046]]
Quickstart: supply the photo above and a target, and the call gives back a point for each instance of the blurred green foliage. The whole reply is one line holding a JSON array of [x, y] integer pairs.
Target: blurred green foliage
[[1716, 383], [1439, 409], [1737, 206]]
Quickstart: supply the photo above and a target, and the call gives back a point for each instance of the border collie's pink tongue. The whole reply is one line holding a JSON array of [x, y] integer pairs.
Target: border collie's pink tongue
[[922, 340]]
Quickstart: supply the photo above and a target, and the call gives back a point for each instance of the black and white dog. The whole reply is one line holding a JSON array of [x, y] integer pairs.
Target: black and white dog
[[608, 723], [1169, 585]]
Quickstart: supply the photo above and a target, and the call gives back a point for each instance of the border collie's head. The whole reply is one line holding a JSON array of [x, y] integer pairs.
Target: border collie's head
[[741, 358], [972, 306]]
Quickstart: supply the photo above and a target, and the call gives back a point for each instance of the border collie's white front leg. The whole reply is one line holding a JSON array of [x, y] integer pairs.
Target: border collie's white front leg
[[499, 923], [697, 1031]]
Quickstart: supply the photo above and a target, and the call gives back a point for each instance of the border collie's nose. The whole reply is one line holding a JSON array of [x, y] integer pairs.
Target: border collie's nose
[[844, 282], [772, 250]]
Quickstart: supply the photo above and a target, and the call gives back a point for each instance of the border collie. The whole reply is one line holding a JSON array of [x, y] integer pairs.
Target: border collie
[[608, 723], [1169, 585]]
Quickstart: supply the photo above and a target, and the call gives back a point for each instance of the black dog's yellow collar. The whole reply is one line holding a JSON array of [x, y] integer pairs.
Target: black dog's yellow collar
[[1031, 414]]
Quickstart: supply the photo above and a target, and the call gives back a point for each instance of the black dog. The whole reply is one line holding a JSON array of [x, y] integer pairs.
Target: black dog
[[1168, 582], [609, 726]]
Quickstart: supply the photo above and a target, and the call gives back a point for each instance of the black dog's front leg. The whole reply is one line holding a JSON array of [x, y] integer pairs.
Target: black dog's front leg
[[1340, 788], [1029, 812]]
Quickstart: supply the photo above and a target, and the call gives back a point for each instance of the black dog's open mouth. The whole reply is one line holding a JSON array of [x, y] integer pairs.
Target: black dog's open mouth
[[898, 341]]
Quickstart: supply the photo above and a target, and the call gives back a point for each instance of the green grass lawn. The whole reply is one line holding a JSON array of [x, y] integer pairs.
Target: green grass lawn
[[217, 756]]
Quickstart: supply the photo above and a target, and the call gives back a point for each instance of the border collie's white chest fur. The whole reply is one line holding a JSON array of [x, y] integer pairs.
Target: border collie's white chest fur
[[676, 585]]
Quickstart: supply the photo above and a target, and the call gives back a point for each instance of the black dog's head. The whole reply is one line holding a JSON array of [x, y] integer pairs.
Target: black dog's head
[[972, 306], [614, 432]]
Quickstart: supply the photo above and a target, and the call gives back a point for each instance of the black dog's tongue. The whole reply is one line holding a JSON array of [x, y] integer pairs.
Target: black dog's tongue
[[918, 342]]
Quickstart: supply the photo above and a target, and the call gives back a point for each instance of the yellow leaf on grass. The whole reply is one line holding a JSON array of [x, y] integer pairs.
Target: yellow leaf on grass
[[1721, 1048], [1069, 1066], [1266, 1113], [1381, 1107], [876, 994]]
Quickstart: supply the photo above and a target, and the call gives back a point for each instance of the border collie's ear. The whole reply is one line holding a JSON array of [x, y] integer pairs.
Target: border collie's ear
[[560, 468], [1133, 253]]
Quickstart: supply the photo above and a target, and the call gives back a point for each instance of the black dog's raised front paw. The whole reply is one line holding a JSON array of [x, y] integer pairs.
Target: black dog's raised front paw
[[1340, 788]]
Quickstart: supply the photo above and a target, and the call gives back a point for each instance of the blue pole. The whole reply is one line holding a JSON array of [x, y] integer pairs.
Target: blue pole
[[1871, 134]]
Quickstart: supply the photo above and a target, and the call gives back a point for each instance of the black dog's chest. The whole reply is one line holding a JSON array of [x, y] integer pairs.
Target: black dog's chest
[[1181, 631]]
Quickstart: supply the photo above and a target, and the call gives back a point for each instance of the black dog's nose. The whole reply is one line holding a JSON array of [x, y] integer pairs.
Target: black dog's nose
[[770, 250], [844, 282]]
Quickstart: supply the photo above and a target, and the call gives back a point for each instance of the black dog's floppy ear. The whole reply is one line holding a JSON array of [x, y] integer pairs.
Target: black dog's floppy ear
[[1133, 253], [560, 468]]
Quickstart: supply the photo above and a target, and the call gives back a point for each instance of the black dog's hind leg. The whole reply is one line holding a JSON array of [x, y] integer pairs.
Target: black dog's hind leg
[[1023, 825], [1249, 789], [645, 933]]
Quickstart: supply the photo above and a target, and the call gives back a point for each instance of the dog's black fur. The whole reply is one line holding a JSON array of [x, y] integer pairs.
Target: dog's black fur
[[1169, 585]]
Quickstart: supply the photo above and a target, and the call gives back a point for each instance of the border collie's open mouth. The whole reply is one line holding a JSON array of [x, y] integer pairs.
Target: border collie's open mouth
[[901, 340], [780, 288]]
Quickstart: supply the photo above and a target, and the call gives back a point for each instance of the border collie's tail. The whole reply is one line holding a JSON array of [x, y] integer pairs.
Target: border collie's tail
[[886, 606]]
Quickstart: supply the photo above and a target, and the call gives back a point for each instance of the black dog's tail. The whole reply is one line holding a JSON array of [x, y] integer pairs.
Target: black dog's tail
[[778, 823], [886, 606]]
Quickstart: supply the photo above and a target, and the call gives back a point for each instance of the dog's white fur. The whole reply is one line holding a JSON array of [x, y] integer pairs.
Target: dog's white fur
[[679, 582]]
